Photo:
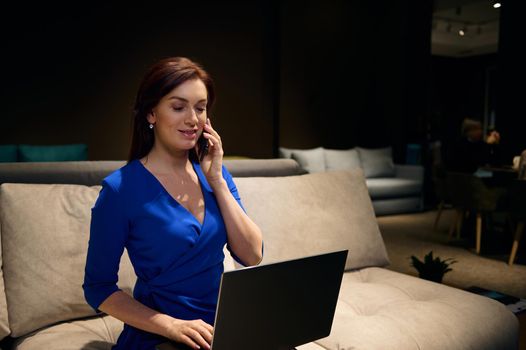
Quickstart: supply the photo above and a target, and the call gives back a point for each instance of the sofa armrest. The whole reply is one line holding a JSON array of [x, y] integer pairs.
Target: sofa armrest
[[415, 172]]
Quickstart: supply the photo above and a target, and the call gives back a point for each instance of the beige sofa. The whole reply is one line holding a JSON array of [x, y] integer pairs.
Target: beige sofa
[[44, 232]]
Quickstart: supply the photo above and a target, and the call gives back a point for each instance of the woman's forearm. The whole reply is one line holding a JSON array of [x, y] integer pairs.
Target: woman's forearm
[[125, 308], [195, 333], [244, 236]]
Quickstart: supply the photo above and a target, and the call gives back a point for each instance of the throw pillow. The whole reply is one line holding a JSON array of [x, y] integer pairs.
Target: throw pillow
[[336, 159], [377, 162], [313, 214], [285, 152], [56, 153], [8, 153], [312, 160], [45, 233]]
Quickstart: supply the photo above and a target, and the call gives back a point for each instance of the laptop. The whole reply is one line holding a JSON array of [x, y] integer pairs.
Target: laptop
[[276, 306]]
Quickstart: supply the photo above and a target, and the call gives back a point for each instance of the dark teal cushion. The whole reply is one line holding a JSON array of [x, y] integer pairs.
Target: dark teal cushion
[[57, 153], [8, 153]]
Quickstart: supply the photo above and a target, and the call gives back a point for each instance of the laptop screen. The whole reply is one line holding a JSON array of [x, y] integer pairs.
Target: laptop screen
[[277, 306]]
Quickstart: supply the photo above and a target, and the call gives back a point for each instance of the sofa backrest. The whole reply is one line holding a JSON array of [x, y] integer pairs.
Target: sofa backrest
[[4, 324], [76, 172], [92, 172], [45, 233], [377, 162], [315, 213]]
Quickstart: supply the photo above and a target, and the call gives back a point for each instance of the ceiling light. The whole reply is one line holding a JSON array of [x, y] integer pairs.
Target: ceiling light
[[497, 4], [461, 32]]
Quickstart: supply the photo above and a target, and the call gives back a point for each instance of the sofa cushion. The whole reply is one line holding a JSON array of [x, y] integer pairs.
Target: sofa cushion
[[94, 333], [382, 309], [390, 206], [4, 325], [81, 173], [377, 162], [263, 167], [285, 152], [393, 187], [336, 159], [315, 213], [312, 160], [8, 153], [54, 153], [45, 232]]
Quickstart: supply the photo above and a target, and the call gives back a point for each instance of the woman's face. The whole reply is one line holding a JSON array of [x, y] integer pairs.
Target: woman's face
[[180, 115]]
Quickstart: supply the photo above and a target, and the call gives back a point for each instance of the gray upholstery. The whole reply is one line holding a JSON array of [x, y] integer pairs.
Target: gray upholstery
[[45, 231], [377, 162], [383, 309], [312, 160], [4, 323], [394, 188], [315, 213], [76, 172], [92, 172], [262, 167], [299, 215], [336, 159], [390, 206]]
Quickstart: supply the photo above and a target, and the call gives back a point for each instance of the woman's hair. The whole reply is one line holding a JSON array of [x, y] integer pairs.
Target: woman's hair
[[469, 124], [160, 79]]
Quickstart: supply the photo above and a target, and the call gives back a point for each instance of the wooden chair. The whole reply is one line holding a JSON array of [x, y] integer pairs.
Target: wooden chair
[[522, 166], [517, 206], [441, 191], [470, 195]]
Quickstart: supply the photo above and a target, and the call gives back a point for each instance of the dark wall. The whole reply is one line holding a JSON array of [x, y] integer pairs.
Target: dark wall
[[458, 91], [458, 88], [71, 73], [354, 73], [292, 73], [511, 118]]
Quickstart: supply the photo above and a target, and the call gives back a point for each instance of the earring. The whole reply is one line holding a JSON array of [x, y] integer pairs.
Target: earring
[[151, 126]]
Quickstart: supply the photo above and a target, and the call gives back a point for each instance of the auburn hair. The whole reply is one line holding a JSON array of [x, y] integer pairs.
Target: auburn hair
[[160, 79]]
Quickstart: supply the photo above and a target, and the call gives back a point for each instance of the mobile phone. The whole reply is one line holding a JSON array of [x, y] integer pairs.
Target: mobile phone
[[202, 142]]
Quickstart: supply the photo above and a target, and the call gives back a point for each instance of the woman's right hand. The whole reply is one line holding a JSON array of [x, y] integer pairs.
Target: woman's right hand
[[196, 333]]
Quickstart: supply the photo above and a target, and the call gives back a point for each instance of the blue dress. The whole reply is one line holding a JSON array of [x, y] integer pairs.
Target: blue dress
[[177, 260]]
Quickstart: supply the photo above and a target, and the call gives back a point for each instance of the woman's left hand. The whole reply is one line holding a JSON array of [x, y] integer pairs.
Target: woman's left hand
[[212, 163]]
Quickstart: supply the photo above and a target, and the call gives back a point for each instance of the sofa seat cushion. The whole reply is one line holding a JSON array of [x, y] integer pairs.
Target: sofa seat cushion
[[383, 309], [315, 213], [393, 187], [45, 232], [95, 333]]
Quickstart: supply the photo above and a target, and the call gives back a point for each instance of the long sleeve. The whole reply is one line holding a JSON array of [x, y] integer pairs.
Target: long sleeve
[[232, 187], [108, 233]]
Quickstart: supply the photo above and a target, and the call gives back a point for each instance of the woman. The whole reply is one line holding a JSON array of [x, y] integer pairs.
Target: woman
[[173, 211]]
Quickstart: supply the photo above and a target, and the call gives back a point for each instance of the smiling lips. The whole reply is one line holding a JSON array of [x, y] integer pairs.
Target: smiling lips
[[189, 133]]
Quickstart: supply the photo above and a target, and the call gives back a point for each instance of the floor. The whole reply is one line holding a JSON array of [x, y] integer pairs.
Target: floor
[[413, 234]]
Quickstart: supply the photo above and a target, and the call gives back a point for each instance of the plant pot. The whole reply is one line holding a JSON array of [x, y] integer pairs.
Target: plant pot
[[432, 277]]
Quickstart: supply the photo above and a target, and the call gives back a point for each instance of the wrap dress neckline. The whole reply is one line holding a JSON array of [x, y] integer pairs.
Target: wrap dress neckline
[[199, 173]]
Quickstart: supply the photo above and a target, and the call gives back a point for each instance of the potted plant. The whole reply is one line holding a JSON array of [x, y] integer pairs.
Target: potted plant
[[432, 269]]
